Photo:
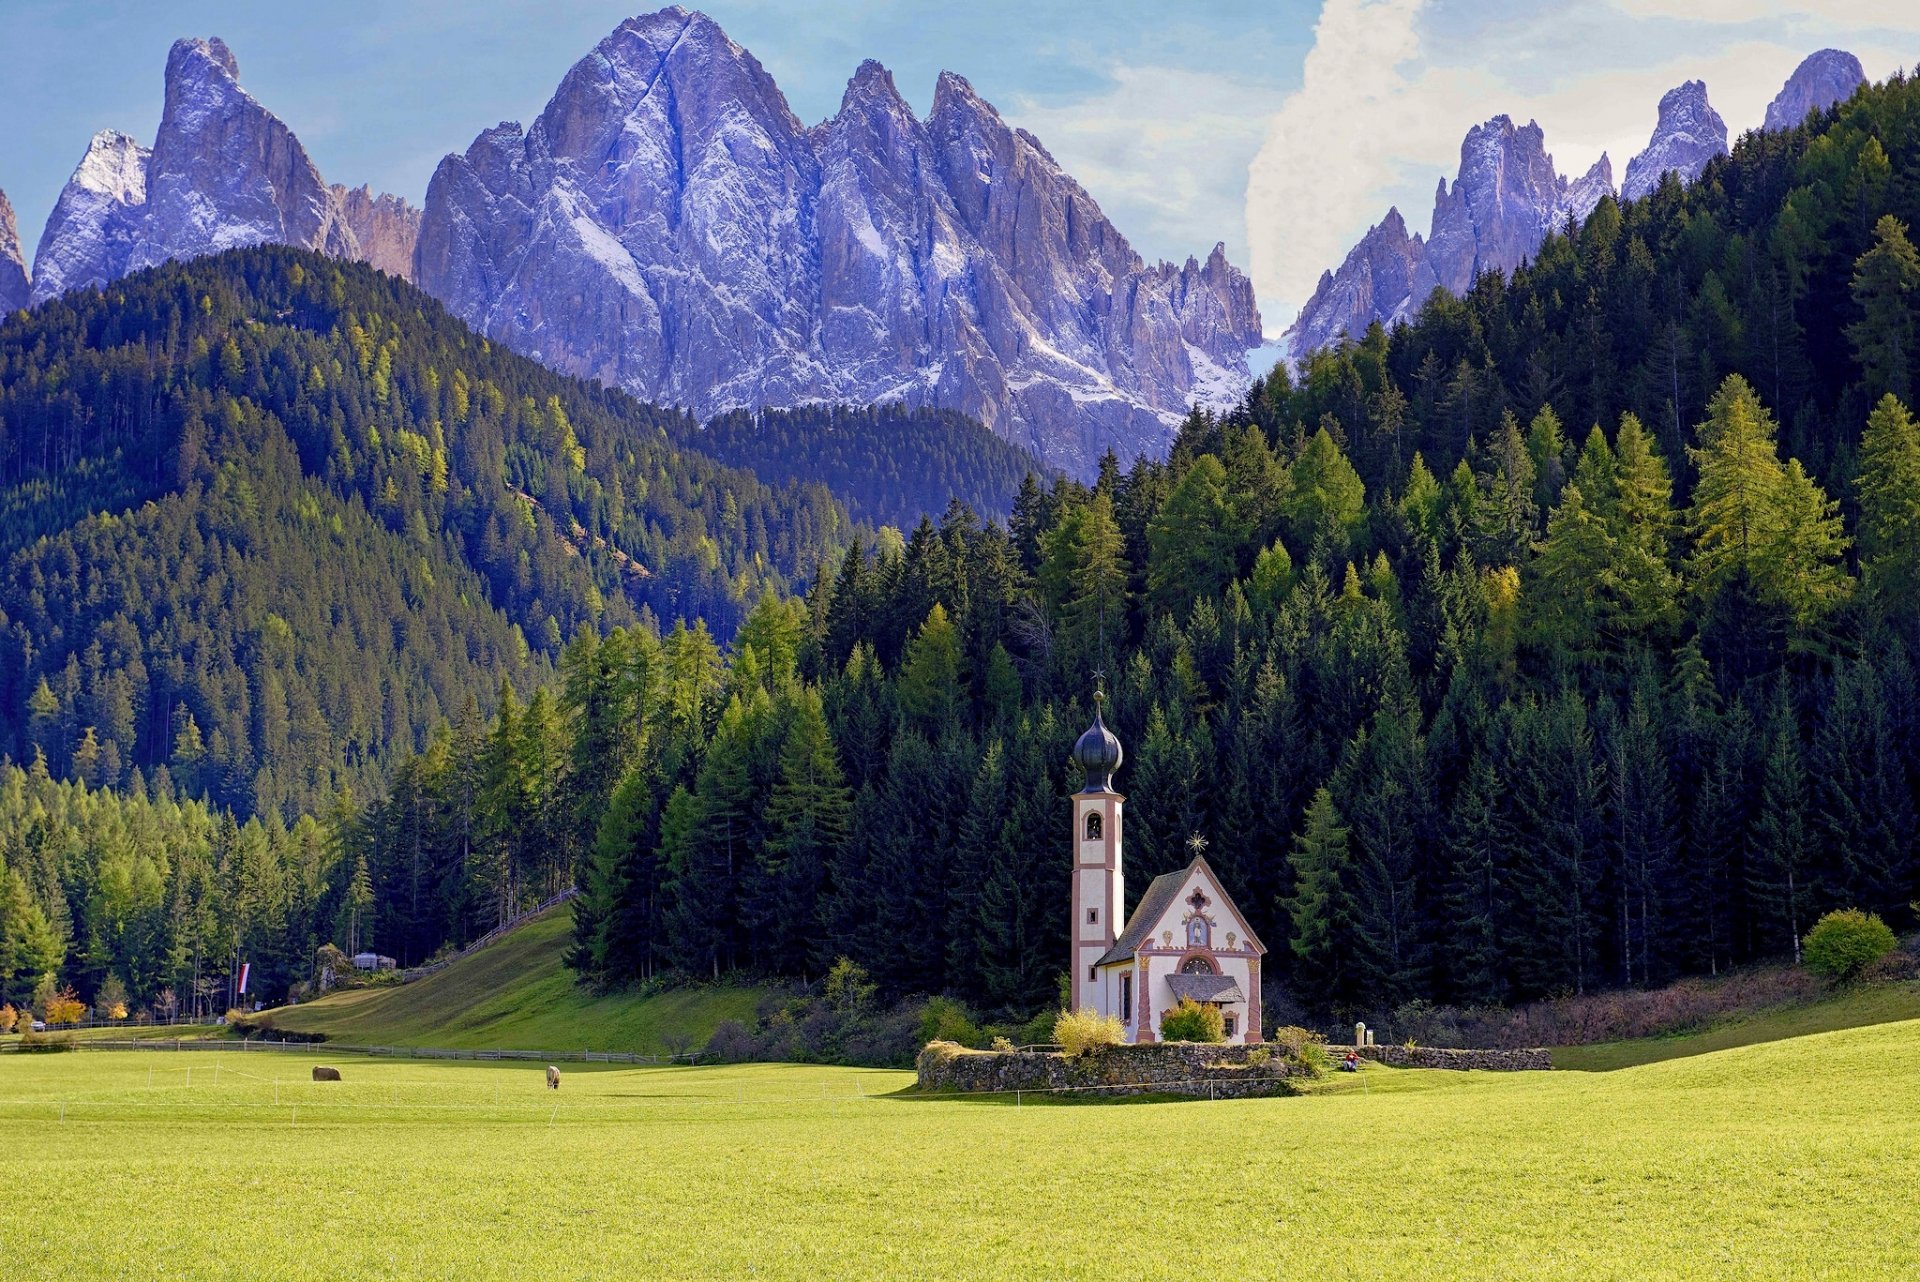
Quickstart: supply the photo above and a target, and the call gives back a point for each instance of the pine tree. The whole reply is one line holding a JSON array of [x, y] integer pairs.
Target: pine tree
[[1886, 290], [1320, 909], [1472, 967], [810, 814], [1191, 540], [1780, 870], [1889, 489]]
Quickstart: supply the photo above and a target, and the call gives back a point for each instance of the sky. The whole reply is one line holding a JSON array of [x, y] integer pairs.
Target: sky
[[1283, 128]]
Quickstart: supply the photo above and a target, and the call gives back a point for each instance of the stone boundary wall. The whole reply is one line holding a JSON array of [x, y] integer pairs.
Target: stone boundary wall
[[1523, 1061], [1178, 1068]]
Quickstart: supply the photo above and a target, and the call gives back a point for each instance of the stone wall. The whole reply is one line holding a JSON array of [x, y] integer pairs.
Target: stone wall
[[1207, 1071], [1525, 1061]]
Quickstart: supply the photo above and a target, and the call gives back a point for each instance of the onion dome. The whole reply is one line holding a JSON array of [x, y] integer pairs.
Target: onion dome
[[1098, 752]]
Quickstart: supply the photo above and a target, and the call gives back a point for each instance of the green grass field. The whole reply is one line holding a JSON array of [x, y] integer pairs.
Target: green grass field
[[1790, 1160], [516, 995], [1850, 1008]]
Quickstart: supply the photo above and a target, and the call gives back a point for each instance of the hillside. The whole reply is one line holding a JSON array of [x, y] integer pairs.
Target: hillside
[[515, 994], [1858, 1007], [174, 452], [889, 464]]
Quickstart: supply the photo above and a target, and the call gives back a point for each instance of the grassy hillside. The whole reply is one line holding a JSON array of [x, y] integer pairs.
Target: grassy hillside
[[1788, 1161], [1851, 1008], [516, 995]]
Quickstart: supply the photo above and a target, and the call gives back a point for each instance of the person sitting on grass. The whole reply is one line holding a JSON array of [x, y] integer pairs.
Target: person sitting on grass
[[1351, 1064]]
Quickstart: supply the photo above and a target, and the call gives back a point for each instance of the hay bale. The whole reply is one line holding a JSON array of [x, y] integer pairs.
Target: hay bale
[[321, 1073]]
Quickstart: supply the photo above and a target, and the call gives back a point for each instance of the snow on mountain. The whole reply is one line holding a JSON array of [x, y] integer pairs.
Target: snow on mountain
[[1821, 79], [1687, 135], [667, 225], [13, 268], [223, 172]]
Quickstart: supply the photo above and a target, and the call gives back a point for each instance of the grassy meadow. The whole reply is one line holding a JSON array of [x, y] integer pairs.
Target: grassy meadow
[[1794, 1159], [516, 994]]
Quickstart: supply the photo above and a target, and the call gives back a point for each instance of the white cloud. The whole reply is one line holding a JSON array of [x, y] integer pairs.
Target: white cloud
[[1347, 134], [1378, 119]]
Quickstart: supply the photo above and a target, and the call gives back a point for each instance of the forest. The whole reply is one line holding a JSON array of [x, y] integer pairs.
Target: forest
[[1564, 638]]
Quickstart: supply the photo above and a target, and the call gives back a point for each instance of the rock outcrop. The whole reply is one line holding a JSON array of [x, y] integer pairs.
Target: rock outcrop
[[90, 233], [1687, 135], [13, 268], [1385, 277], [1503, 201], [385, 228], [668, 226], [1821, 79], [1500, 207], [224, 172]]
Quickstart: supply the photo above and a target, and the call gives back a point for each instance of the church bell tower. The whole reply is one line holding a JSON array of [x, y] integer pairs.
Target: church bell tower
[[1099, 891]]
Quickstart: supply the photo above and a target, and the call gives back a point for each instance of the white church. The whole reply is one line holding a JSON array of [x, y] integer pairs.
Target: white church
[[1185, 939]]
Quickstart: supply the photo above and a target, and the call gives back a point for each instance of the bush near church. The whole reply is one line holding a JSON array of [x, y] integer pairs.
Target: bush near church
[[1193, 1021], [1086, 1031], [1845, 942]]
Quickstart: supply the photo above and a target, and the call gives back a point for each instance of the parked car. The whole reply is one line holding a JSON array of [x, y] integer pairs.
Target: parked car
[[39, 1025]]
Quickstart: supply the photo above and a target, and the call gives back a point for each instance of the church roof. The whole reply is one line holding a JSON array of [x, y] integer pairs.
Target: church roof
[[1206, 988], [1153, 905]]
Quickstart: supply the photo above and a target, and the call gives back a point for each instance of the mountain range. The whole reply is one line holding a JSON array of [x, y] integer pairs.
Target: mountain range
[[668, 226], [1507, 195]]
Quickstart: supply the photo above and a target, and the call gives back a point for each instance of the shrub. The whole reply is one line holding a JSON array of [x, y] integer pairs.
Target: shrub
[[111, 1001], [849, 990], [1258, 1057], [1002, 1044], [1190, 1021], [945, 1020], [1314, 1056], [1088, 1031], [1036, 1030], [1292, 1040], [66, 1008], [1845, 942], [8, 1018], [731, 1043]]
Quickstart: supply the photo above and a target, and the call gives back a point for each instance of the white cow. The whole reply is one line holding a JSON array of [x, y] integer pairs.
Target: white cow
[[553, 1078]]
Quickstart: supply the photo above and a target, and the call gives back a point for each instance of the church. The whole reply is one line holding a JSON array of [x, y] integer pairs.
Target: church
[[1185, 939]]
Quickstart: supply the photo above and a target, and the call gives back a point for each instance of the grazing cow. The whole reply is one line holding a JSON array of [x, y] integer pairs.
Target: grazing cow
[[321, 1073], [553, 1078]]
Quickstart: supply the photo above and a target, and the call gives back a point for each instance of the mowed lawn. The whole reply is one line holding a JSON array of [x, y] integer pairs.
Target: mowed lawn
[[517, 994], [1796, 1159]]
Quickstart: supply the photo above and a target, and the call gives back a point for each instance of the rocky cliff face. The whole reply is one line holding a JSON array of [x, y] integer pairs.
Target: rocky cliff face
[[1505, 198], [1385, 277], [13, 268], [1820, 80], [89, 236], [385, 228], [1500, 206], [1687, 135], [668, 226], [223, 172]]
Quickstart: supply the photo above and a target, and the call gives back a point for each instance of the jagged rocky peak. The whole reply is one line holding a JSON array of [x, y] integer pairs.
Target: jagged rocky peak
[[1688, 134], [668, 226], [1501, 204], [90, 234], [1385, 277], [1504, 199], [385, 228], [14, 290], [1584, 192], [223, 172], [226, 172], [1821, 79]]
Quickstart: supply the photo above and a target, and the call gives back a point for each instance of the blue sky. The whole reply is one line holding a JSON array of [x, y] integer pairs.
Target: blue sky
[[1162, 110]]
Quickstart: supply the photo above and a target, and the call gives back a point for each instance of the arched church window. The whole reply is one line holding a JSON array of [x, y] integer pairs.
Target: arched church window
[[1196, 966], [1093, 826]]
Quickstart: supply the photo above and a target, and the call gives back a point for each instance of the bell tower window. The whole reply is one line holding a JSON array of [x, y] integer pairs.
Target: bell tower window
[[1093, 826]]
